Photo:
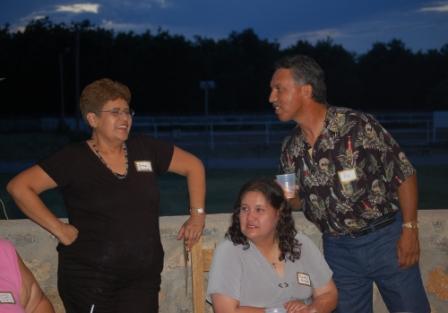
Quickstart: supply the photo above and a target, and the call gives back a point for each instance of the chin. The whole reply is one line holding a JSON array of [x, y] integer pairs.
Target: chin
[[249, 233], [124, 136], [283, 118]]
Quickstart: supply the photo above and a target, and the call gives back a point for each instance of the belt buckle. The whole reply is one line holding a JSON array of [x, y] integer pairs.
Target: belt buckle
[[360, 232]]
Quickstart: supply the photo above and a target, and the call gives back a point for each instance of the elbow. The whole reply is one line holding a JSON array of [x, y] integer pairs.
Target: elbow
[[333, 299], [12, 187], [197, 167], [16, 188]]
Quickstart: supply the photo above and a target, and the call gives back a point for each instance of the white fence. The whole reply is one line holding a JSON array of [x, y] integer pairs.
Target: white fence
[[409, 129]]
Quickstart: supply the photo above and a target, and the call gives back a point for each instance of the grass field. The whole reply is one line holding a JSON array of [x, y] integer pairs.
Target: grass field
[[223, 186]]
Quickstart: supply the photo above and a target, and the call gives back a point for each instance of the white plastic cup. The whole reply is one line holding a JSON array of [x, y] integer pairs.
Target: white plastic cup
[[275, 310], [288, 184]]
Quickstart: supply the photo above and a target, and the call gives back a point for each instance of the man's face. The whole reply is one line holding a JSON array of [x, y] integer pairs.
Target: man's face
[[286, 95]]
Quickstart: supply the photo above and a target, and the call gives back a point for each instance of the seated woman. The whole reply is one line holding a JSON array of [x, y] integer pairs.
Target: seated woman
[[264, 263], [19, 290]]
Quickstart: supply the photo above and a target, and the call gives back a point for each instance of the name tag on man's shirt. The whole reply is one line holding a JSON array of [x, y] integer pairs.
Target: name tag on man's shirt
[[143, 166], [347, 176]]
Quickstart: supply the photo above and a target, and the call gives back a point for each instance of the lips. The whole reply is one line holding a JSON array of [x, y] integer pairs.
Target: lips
[[123, 127], [276, 108]]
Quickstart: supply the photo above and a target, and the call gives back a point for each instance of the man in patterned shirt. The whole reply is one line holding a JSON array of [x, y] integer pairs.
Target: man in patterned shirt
[[357, 186]]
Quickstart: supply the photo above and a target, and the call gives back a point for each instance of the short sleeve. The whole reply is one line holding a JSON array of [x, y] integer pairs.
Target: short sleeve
[[60, 164], [160, 152], [318, 269], [225, 273], [395, 164]]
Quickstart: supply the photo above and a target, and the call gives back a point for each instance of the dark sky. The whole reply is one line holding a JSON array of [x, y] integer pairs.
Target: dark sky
[[356, 24]]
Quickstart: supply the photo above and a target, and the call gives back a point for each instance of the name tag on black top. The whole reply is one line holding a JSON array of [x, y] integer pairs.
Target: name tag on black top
[[143, 166]]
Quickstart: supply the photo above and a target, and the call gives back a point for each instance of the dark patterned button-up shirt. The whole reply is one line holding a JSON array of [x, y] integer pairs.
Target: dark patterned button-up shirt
[[351, 175]]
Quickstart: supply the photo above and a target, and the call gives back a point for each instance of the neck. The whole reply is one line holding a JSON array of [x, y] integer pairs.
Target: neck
[[312, 123], [269, 249], [106, 146]]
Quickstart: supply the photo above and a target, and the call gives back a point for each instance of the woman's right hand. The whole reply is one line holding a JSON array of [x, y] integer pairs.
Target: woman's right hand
[[68, 234]]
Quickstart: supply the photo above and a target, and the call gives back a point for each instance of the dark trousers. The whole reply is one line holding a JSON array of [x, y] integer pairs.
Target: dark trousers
[[86, 289]]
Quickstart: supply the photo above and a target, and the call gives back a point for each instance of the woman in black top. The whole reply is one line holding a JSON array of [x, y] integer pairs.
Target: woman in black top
[[110, 252]]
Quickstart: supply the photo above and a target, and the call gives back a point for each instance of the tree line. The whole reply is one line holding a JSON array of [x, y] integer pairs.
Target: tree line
[[46, 66]]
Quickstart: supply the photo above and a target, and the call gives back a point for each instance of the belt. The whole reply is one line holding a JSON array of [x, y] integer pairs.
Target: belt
[[375, 225]]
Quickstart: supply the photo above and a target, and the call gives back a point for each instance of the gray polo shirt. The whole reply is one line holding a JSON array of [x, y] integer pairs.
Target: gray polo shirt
[[247, 276]]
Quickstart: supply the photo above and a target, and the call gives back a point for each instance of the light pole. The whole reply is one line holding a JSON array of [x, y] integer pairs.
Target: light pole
[[206, 85], [77, 93]]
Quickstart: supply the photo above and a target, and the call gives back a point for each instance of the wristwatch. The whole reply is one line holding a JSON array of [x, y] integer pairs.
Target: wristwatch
[[411, 225]]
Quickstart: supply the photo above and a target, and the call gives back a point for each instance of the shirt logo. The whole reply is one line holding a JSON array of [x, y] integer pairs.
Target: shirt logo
[[6, 298], [143, 166], [303, 279]]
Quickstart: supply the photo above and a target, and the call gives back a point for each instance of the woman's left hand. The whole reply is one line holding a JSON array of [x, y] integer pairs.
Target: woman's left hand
[[191, 230]]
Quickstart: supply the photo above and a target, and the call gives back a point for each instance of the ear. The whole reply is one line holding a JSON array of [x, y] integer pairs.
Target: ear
[[92, 119], [307, 91]]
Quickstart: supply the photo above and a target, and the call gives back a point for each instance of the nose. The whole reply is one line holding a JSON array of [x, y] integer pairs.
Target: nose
[[250, 215], [272, 96]]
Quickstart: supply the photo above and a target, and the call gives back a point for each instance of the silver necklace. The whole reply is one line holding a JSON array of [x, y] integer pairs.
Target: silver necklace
[[118, 175]]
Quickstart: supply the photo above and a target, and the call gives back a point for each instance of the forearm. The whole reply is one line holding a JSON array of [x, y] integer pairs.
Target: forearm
[[196, 185], [188, 165], [323, 304], [238, 309], [44, 306], [33, 207], [408, 246], [408, 198], [325, 299], [32, 297]]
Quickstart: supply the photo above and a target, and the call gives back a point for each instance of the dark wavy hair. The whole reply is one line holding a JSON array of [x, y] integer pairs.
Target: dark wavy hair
[[285, 230], [306, 71]]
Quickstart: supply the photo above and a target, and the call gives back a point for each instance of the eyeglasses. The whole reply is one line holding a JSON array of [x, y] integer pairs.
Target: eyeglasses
[[118, 112]]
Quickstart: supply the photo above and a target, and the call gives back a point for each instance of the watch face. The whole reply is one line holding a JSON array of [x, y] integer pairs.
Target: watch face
[[412, 225]]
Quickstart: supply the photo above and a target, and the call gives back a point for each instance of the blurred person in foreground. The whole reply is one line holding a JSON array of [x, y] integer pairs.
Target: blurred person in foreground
[[110, 252], [264, 265], [357, 186], [19, 290]]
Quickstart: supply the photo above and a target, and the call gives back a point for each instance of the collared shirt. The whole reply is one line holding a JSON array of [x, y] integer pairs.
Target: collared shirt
[[247, 276], [350, 176]]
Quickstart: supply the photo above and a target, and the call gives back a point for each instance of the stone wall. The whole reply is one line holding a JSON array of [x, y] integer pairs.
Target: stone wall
[[37, 248]]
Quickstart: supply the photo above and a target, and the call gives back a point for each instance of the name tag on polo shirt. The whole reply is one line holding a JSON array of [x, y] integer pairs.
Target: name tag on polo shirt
[[303, 279], [6, 298], [143, 166], [347, 176]]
